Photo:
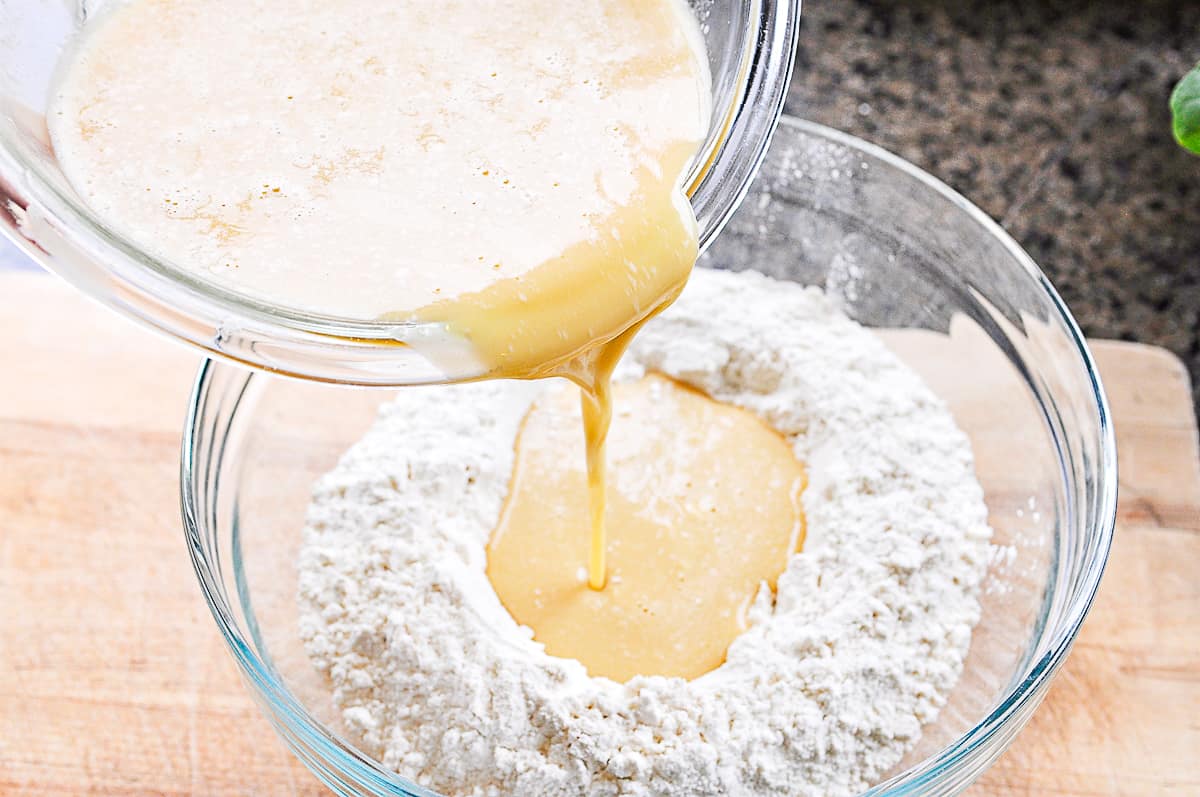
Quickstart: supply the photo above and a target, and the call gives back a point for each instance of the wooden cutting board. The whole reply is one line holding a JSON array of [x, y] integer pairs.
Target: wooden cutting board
[[113, 680]]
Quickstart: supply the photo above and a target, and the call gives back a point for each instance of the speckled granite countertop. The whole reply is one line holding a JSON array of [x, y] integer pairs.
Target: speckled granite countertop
[[1052, 116]]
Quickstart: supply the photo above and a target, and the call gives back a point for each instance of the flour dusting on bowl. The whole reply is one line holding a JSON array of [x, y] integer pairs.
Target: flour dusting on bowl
[[857, 648]]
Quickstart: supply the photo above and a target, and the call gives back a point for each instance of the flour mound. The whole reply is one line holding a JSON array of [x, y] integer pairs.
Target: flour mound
[[825, 691]]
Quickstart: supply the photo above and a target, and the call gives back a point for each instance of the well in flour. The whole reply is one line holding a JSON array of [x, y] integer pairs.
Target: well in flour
[[859, 646], [704, 508]]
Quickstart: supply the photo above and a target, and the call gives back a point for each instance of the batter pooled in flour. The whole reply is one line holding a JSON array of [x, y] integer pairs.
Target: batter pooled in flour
[[858, 647]]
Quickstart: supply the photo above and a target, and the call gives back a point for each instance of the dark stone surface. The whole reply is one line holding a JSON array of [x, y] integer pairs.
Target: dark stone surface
[[1053, 118]]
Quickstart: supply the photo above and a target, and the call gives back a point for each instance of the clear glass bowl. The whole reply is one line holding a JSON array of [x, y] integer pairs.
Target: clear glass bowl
[[751, 46], [952, 294]]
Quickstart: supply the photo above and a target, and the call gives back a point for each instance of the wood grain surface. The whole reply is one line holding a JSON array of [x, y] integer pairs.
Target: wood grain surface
[[113, 680]]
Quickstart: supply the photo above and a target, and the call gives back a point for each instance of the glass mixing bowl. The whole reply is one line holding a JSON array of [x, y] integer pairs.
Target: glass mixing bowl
[[751, 47], [946, 288]]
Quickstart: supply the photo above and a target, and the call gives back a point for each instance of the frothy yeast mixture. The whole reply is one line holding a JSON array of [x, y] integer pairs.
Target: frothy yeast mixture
[[512, 170]]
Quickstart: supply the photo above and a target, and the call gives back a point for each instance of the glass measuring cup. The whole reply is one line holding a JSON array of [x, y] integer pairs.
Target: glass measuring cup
[[751, 47]]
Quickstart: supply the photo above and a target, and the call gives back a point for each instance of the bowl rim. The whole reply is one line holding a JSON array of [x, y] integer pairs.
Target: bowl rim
[[1027, 694], [961, 757]]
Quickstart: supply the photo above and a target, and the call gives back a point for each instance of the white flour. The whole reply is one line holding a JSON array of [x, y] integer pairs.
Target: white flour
[[825, 691]]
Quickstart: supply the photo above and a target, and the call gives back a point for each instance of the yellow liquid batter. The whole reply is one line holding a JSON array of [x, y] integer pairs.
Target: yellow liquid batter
[[511, 171], [703, 507]]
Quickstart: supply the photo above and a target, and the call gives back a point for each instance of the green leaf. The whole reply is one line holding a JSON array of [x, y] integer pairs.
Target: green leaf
[[1185, 110]]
